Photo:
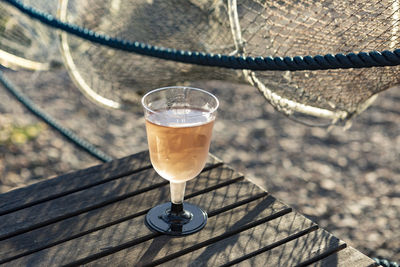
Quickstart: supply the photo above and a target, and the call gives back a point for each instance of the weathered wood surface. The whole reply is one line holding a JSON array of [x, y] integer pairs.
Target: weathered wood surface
[[99, 221]]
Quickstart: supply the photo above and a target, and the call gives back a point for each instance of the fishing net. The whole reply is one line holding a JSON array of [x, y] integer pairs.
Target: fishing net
[[24, 42], [116, 79]]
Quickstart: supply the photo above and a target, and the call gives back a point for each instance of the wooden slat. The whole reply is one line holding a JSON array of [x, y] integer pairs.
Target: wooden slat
[[107, 215], [218, 226], [134, 230], [346, 257], [72, 204]]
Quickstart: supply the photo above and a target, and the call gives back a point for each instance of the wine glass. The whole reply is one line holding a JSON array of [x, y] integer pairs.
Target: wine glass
[[179, 122]]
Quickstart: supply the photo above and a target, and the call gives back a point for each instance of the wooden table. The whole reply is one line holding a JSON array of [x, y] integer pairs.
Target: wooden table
[[96, 217]]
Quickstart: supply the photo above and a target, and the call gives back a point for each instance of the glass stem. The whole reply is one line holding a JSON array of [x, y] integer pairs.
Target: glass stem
[[177, 194]]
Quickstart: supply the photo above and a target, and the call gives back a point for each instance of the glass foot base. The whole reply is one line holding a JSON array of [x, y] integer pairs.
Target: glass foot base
[[161, 220]]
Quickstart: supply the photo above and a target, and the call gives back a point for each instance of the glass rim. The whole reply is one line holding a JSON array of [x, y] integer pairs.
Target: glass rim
[[179, 87]]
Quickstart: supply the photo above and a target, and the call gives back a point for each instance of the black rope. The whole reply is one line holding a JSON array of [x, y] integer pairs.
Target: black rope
[[318, 62], [71, 136], [385, 262]]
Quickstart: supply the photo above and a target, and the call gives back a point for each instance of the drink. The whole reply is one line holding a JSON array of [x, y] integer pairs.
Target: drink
[[179, 140], [179, 122]]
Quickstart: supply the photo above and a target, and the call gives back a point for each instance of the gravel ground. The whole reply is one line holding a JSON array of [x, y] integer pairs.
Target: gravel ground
[[346, 181]]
